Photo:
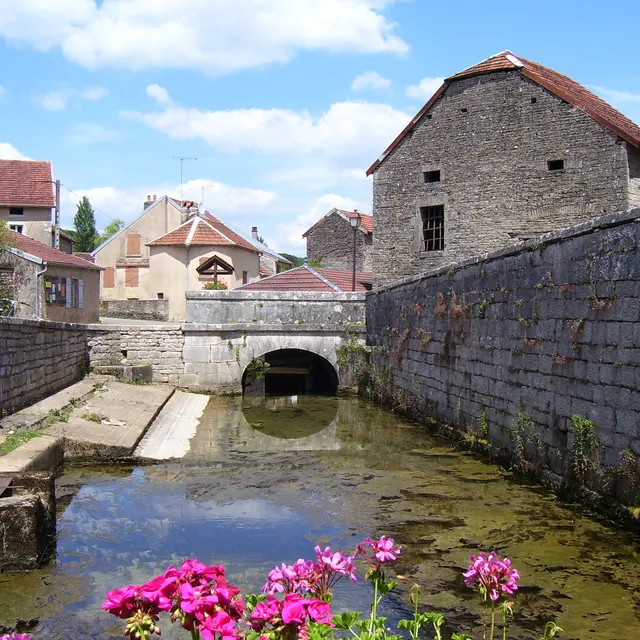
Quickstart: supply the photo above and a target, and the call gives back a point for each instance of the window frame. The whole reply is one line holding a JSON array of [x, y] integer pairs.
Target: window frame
[[436, 214], [16, 228]]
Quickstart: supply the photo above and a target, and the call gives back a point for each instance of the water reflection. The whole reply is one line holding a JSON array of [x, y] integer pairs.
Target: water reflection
[[253, 496]]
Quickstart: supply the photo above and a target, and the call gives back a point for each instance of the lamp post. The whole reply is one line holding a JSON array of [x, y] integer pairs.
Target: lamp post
[[354, 221]]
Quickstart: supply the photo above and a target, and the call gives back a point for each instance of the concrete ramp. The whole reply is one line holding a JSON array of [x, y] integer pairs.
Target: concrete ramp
[[169, 435]]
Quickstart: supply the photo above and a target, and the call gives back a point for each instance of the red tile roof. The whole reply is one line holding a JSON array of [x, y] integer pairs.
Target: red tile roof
[[366, 221], [26, 183], [203, 230], [556, 83], [47, 253], [307, 278]]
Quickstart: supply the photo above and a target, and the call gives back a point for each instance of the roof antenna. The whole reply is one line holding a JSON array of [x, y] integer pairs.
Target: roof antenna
[[182, 159]]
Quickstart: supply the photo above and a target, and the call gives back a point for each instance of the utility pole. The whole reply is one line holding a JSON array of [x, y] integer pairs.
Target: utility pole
[[56, 236], [182, 159]]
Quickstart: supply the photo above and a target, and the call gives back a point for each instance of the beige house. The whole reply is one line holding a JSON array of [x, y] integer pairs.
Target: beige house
[[27, 201], [125, 256], [42, 282], [200, 250]]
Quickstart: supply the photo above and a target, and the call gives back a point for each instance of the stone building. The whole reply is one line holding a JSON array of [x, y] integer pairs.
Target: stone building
[[330, 241], [504, 150]]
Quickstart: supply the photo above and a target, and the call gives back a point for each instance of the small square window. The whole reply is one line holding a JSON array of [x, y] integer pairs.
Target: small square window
[[555, 165], [432, 228], [464, 110], [160, 296], [534, 100], [16, 227], [16, 211], [431, 176]]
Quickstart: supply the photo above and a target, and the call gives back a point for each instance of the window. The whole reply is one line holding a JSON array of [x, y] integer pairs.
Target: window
[[109, 278], [432, 228], [133, 244], [431, 176], [555, 165], [534, 100], [16, 227], [16, 211], [67, 292], [160, 296], [245, 277], [464, 110], [131, 277]]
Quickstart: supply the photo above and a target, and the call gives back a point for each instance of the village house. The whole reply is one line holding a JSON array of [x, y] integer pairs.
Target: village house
[[201, 250], [270, 261], [38, 281], [307, 278], [504, 150], [330, 241], [27, 201]]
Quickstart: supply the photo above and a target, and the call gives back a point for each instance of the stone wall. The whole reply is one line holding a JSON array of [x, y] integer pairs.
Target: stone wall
[[160, 345], [21, 276], [138, 309], [491, 136], [275, 307], [546, 330], [38, 358], [331, 243]]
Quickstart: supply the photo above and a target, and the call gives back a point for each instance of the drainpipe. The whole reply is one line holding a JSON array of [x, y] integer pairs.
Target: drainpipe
[[38, 290]]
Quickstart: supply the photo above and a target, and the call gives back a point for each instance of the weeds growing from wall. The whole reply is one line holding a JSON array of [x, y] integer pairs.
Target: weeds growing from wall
[[584, 449], [523, 433]]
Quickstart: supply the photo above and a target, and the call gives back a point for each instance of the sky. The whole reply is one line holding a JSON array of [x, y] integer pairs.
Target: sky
[[284, 103]]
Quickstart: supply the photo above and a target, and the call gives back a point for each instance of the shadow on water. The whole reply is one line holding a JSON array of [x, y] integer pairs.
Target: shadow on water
[[266, 480]]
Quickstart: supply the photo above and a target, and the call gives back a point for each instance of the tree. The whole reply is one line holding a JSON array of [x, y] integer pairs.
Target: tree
[[295, 260], [110, 230], [85, 226]]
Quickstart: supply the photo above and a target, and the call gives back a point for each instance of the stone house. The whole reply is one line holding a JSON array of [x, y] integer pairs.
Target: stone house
[[202, 249], [48, 283], [330, 241], [27, 201], [125, 255], [504, 150]]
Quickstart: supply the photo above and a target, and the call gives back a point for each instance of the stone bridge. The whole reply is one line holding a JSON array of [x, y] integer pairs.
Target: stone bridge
[[297, 334]]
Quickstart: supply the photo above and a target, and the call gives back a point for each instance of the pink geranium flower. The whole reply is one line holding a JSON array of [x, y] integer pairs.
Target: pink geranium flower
[[221, 624], [319, 611], [294, 609], [381, 551], [493, 575], [121, 602]]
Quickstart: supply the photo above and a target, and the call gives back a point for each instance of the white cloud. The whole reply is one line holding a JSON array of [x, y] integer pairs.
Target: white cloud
[[216, 36], [615, 95], [291, 231], [90, 133], [111, 202], [158, 93], [370, 80], [357, 130], [426, 88], [9, 152], [58, 99], [2, 91]]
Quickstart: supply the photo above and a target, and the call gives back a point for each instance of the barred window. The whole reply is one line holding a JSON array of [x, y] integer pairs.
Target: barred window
[[432, 228]]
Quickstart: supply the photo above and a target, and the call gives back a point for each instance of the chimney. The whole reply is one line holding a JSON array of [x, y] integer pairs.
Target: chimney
[[254, 233], [154, 198], [147, 202]]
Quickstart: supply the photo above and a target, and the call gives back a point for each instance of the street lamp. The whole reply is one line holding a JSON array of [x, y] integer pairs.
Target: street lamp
[[354, 221]]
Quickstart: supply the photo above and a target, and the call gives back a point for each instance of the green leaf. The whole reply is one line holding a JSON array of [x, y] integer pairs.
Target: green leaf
[[346, 620], [387, 585], [461, 636]]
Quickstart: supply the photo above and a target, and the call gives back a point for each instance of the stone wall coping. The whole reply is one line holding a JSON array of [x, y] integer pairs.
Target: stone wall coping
[[42, 324], [133, 327], [602, 222], [310, 296], [44, 453], [255, 327]]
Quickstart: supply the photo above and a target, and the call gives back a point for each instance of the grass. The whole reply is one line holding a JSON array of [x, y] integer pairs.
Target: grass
[[93, 417], [136, 381], [14, 440]]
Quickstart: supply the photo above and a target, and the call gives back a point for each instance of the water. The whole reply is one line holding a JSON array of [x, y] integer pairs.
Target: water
[[266, 480]]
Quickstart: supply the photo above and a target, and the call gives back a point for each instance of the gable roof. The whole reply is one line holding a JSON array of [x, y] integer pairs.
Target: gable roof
[[366, 221], [306, 278], [48, 254], [556, 83], [26, 183], [202, 230], [207, 266]]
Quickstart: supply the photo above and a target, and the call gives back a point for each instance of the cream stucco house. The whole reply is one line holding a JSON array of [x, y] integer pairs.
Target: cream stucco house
[[202, 249]]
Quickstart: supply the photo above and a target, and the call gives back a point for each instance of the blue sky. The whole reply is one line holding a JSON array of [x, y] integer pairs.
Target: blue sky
[[285, 103]]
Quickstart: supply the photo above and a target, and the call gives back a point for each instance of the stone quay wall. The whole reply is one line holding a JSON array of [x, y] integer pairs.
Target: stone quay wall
[[38, 358], [160, 345], [511, 345], [139, 309]]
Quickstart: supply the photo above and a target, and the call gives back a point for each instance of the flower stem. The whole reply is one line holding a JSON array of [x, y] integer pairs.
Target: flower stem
[[493, 620]]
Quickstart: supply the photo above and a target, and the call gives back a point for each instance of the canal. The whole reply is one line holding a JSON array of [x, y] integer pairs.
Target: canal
[[266, 479]]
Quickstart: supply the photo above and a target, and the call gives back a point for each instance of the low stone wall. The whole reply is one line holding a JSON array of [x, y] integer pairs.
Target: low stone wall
[[510, 346], [138, 309], [37, 359], [160, 345], [275, 307]]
